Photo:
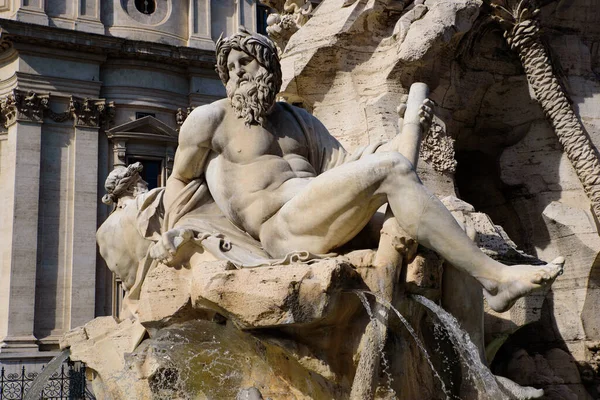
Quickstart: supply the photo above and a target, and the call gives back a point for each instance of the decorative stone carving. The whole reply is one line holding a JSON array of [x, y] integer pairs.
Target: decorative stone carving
[[522, 32], [59, 117], [291, 15], [31, 106], [438, 149], [91, 112], [28, 106], [182, 114]]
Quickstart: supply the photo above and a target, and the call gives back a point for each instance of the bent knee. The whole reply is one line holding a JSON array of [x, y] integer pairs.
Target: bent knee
[[396, 163]]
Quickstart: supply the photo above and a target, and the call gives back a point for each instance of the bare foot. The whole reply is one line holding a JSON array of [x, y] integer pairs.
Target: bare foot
[[520, 280]]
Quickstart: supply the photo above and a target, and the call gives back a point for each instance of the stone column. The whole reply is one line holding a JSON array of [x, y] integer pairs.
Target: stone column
[[22, 114], [120, 153]]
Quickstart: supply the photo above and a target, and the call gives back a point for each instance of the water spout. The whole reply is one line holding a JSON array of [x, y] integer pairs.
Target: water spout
[[409, 328], [384, 361], [40, 382], [480, 374]]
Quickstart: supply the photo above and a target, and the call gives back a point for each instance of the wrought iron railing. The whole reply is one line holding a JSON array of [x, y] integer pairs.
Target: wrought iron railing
[[68, 383]]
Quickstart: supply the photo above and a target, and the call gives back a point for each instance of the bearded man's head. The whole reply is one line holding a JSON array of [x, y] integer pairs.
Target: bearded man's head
[[253, 100]]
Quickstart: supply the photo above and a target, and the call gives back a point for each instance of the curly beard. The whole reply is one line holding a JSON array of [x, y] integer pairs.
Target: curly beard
[[252, 98]]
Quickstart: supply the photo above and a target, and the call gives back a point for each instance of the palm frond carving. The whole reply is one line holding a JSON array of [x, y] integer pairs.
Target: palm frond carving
[[520, 21]]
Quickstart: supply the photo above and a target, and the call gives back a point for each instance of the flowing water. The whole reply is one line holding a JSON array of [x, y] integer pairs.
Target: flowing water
[[384, 361], [480, 374], [363, 299], [40, 382]]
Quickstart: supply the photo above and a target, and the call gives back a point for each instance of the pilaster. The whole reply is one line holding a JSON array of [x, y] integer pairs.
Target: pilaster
[[89, 116], [88, 16], [31, 11], [22, 114], [199, 24]]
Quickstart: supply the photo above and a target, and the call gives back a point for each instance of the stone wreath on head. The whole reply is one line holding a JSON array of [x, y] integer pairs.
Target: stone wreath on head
[[120, 181], [256, 45]]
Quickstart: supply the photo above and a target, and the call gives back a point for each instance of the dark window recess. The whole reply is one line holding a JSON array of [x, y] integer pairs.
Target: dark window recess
[[141, 114], [145, 6], [262, 12], [152, 172], [298, 104]]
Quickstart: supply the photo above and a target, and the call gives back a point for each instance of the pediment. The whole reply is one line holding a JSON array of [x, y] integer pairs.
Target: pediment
[[146, 128]]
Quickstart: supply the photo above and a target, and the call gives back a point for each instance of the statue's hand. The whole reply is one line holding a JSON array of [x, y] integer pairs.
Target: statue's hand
[[426, 114], [166, 248]]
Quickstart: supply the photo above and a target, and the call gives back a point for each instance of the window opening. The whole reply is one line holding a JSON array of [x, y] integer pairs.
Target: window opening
[[262, 12], [145, 6], [152, 172], [141, 114]]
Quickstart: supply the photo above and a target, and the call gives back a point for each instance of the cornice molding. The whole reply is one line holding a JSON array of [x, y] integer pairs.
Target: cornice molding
[[147, 128], [51, 37]]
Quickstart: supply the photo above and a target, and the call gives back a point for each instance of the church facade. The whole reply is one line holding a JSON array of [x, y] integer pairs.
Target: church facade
[[85, 86]]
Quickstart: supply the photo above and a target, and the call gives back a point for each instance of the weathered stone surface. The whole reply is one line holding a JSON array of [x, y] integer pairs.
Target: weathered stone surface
[[555, 371], [165, 298], [103, 344], [511, 166], [274, 296]]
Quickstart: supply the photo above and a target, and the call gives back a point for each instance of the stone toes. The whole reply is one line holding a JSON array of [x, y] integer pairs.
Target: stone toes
[[560, 264], [538, 278], [546, 277]]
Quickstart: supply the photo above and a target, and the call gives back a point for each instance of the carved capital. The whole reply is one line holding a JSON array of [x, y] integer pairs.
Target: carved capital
[[24, 106], [91, 112], [182, 115]]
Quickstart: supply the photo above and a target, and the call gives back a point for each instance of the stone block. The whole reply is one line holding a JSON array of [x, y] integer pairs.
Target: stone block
[[274, 296]]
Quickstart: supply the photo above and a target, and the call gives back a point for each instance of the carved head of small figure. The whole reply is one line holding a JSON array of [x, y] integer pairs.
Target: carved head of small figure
[[249, 67], [124, 182]]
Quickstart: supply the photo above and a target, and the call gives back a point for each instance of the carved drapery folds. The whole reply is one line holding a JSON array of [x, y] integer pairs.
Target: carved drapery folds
[[25, 106], [33, 107], [519, 18]]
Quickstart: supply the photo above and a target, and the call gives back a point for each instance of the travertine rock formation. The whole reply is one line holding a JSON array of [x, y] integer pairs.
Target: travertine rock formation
[[348, 65]]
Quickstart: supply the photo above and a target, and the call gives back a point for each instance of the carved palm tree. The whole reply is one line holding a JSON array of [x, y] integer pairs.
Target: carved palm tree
[[521, 26]]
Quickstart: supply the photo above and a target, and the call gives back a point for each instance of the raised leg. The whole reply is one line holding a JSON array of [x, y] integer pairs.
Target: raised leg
[[336, 205]]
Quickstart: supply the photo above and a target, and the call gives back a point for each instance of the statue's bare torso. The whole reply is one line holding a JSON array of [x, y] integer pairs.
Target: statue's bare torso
[[251, 171]]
